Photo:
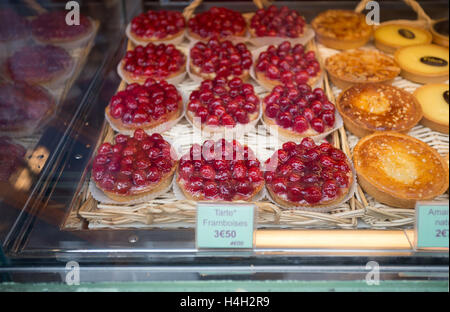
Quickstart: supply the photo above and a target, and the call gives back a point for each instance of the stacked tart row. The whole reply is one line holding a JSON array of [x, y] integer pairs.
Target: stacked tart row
[[160, 26], [297, 175]]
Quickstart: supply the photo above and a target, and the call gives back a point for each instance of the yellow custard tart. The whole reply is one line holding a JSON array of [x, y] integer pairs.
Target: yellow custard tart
[[399, 170], [390, 37], [369, 108], [423, 63], [434, 101]]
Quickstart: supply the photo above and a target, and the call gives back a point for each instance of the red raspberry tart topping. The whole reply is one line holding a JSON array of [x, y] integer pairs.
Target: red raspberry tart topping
[[220, 102], [220, 170], [148, 104], [216, 58], [36, 64], [288, 64], [11, 156], [12, 26], [154, 61], [132, 163], [298, 108], [52, 26], [21, 103], [277, 22], [309, 174], [219, 22], [158, 24]]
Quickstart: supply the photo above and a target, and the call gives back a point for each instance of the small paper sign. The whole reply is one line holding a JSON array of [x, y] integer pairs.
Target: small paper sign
[[432, 225], [225, 226]]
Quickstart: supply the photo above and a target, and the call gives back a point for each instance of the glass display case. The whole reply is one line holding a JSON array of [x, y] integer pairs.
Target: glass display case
[[50, 216]]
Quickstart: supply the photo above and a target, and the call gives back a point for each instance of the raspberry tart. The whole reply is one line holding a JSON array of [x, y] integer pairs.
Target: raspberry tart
[[23, 107], [14, 32], [298, 111], [215, 58], [367, 108], [286, 65], [220, 22], [134, 167], [307, 175], [40, 65], [361, 66], [277, 22], [220, 171], [11, 157], [342, 29], [157, 26], [399, 170], [157, 61], [52, 28], [144, 106], [221, 104]]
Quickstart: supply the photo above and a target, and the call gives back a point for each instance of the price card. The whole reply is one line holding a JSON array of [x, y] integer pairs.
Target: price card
[[432, 225], [225, 226]]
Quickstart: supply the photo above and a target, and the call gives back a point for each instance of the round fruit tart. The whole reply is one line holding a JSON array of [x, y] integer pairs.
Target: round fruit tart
[[158, 26], [287, 64], [11, 157], [52, 28], [39, 64], [215, 58], [220, 104], [23, 107], [134, 167], [307, 175], [277, 22], [157, 61], [219, 22], [144, 106], [14, 31], [298, 111], [220, 171]]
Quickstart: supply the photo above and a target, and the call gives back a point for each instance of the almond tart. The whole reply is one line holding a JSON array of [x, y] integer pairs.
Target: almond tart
[[220, 58], [367, 108], [134, 167], [220, 22], [157, 26], [361, 66], [298, 111], [342, 29], [220, 104], [307, 175], [286, 64], [277, 22], [390, 37], [399, 170], [220, 171], [52, 28], [157, 61], [426, 63], [434, 101], [144, 106]]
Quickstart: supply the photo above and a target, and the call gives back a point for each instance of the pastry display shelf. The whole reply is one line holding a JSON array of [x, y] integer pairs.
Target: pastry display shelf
[[49, 231]]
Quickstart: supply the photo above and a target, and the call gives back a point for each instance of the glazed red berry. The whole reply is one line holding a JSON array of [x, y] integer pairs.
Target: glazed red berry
[[288, 64], [132, 162], [225, 171], [222, 102], [158, 24], [220, 58], [309, 174], [300, 110], [219, 22]]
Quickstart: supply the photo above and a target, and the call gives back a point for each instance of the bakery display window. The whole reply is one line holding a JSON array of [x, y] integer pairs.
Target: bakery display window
[[117, 118]]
